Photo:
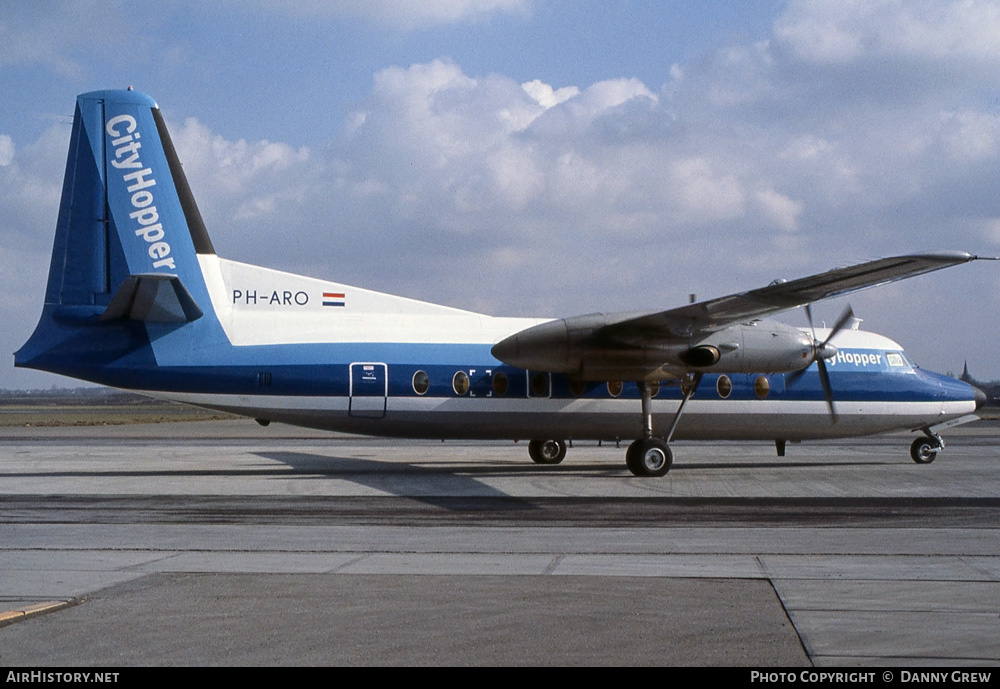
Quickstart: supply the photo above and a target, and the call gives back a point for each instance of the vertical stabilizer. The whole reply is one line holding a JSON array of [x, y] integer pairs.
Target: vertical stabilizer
[[128, 231], [126, 206]]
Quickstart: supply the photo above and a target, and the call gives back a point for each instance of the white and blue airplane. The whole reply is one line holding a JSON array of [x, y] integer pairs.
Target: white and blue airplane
[[138, 299]]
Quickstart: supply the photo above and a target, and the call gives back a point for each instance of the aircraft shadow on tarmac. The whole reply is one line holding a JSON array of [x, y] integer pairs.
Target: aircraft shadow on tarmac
[[463, 477], [342, 467], [447, 482]]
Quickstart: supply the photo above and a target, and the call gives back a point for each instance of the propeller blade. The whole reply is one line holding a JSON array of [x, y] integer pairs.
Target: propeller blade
[[824, 379], [793, 377], [819, 350], [809, 317], [841, 322]]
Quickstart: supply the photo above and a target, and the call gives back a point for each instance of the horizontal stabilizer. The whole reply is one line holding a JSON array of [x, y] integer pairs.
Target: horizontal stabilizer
[[153, 298]]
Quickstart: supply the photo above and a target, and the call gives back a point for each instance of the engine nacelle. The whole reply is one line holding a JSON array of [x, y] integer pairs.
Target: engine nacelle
[[755, 347], [577, 347]]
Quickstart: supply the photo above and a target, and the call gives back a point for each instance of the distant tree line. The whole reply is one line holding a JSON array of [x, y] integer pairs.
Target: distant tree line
[[991, 388]]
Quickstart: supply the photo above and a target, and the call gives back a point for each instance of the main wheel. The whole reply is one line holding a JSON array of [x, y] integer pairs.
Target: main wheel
[[649, 457], [923, 450], [547, 451]]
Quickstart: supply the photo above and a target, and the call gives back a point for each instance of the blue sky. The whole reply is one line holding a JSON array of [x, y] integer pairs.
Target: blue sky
[[549, 158]]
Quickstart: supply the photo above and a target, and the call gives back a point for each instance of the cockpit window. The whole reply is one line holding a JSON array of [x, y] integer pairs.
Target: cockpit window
[[894, 359]]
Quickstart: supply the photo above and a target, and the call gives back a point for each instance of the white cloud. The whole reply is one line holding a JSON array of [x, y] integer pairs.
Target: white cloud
[[830, 141], [546, 96], [6, 150], [241, 180], [970, 136], [699, 195], [30, 184], [465, 171], [991, 231], [926, 30], [782, 211]]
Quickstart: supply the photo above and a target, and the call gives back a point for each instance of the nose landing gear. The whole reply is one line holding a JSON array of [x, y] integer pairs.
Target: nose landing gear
[[924, 450]]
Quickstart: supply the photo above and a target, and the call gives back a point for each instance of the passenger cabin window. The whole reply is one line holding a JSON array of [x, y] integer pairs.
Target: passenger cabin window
[[761, 386], [421, 382], [539, 384], [460, 383], [614, 388], [724, 386], [500, 383]]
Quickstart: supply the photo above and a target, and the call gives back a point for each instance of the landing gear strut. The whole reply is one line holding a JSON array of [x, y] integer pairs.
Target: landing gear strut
[[924, 449], [649, 456]]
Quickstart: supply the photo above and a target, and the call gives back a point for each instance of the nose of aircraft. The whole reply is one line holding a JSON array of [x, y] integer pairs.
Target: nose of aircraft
[[980, 397]]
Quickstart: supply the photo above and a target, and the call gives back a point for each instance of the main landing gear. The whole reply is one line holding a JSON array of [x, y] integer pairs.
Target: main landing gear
[[547, 451], [649, 456]]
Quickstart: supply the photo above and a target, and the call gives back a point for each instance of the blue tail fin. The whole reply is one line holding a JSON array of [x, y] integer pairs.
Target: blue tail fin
[[127, 239]]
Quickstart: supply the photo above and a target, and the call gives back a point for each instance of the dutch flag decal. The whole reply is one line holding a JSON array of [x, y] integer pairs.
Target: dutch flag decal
[[333, 299]]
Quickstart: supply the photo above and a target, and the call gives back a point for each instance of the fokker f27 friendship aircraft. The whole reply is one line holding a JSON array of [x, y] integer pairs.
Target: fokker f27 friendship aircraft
[[138, 299]]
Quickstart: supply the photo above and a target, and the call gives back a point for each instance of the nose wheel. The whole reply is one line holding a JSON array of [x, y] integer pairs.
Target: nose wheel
[[924, 450]]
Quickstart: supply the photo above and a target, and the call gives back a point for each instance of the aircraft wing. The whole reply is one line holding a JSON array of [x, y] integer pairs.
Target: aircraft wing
[[634, 345], [714, 314]]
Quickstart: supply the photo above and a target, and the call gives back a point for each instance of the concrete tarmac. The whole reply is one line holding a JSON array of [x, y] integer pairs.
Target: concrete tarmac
[[223, 543]]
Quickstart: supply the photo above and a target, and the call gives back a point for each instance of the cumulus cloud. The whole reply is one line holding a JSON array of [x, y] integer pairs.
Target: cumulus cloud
[[924, 30], [30, 185], [546, 96], [835, 139], [782, 211], [242, 185]]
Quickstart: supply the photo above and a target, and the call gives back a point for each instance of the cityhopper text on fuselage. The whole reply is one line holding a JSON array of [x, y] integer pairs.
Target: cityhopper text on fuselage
[[137, 298]]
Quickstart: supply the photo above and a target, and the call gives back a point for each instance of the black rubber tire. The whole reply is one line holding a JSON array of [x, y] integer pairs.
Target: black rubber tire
[[923, 450], [547, 451], [649, 457]]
